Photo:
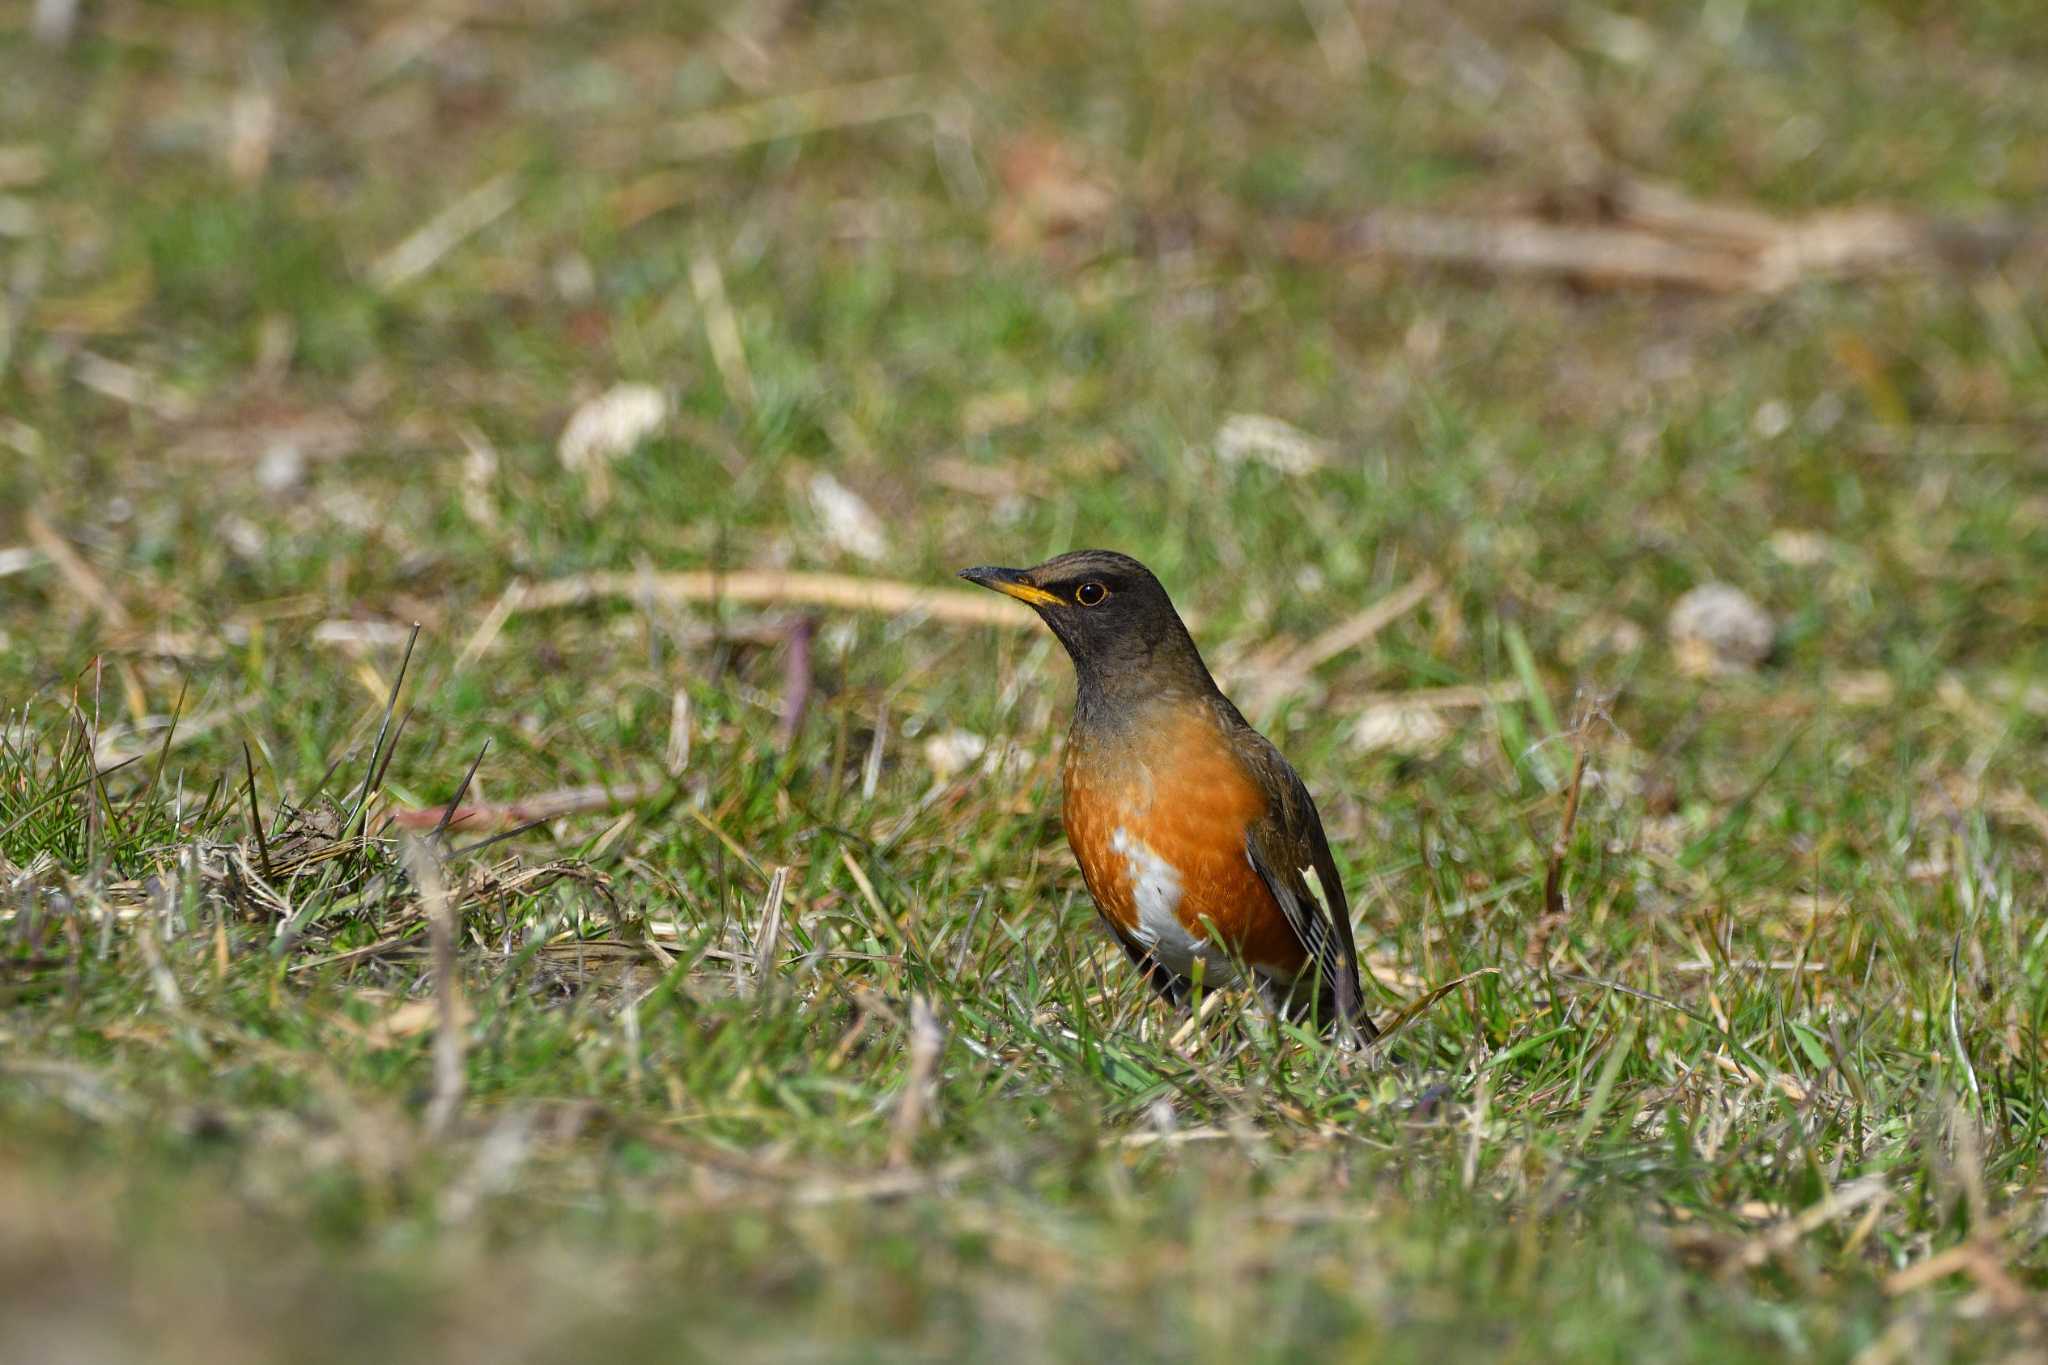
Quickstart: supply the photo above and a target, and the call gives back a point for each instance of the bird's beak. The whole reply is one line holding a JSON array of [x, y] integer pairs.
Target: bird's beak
[[1011, 583]]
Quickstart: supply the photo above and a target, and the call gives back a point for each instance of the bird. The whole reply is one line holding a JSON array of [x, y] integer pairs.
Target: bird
[[1198, 841]]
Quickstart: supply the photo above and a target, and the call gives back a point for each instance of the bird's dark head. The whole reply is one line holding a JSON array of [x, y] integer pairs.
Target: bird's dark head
[[1114, 618]]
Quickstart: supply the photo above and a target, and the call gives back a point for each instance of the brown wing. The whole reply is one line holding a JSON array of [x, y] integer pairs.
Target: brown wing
[[1288, 840]]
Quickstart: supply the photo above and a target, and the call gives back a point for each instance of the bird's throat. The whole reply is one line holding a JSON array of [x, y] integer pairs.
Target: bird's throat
[[1119, 694]]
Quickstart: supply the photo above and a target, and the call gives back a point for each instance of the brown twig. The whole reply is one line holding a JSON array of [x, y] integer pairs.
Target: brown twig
[[778, 587], [449, 1077], [455, 801], [796, 681], [1654, 236], [1560, 848], [546, 806], [1608, 255], [1553, 875]]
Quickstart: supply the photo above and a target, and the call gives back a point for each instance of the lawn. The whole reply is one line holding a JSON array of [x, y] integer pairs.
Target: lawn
[[575, 411]]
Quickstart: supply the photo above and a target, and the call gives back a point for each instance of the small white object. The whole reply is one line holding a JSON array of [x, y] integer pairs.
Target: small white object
[[952, 751], [243, 536], [1717, 629], [55, 21], [610, 425], [1800, 548], [16, 558], [1272, 442], [1397, 728], [606, 427], [847, 520], [574, 278], [357, 635], [282, 468], [1773, 418]]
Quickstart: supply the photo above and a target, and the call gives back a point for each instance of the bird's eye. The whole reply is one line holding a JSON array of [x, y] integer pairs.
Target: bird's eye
[[1089, 594]]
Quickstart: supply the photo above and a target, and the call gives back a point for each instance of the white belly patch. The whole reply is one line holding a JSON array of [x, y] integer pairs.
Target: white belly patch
[[1156, 892]]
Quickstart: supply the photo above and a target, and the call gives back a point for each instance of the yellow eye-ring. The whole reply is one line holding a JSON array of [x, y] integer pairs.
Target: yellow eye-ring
[[1089, 594]]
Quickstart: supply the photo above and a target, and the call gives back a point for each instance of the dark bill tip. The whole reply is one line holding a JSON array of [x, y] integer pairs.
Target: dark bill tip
[[1010, 583]]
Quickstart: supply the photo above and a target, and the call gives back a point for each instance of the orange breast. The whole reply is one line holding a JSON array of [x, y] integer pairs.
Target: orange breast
[[1157, 824]]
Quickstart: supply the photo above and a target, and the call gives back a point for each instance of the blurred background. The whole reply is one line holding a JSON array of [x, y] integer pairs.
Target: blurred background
[[323, 320], [1579, 304], [1488, 382]]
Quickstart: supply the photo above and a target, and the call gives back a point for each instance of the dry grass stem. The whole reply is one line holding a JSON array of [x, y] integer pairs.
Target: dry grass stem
[[446, 230], [1194, 1022], [927, 1042], [76, 573], [757, 587], [528, 810], [487, 630], [1835, 1204], [1656, 237], [813, 111], [676, 759], [768, 938], [424, 866], [721, 328], [1359, 629]]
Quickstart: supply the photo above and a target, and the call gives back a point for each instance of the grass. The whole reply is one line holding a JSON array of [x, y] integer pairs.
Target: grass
[[1765, 1078]]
